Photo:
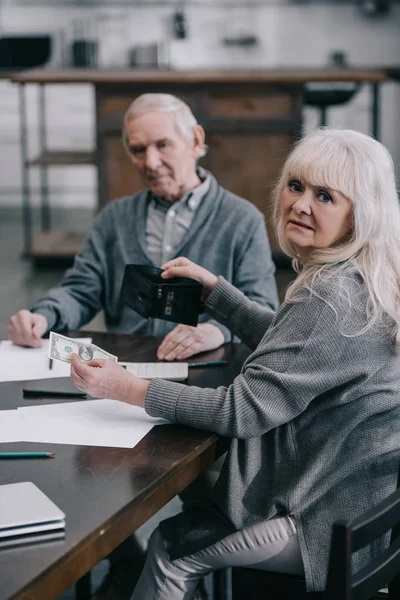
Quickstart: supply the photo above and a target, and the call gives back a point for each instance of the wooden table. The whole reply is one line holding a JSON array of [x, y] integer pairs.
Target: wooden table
[[106, 493]]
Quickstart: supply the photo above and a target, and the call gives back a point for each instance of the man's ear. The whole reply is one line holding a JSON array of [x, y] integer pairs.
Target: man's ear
[[198, 140]]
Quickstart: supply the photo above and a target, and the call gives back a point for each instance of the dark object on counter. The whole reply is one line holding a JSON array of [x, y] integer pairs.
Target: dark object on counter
[[241, 40], [338, 58], [180, 25], [177, 300], [154, 55], [323, 96], [84, 53], [375, 8], [24, 52]]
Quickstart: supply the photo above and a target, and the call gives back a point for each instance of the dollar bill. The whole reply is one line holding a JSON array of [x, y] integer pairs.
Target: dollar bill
[[62, 347]]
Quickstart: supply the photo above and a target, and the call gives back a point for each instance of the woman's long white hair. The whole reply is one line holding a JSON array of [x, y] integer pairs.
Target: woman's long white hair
[[361, 169]]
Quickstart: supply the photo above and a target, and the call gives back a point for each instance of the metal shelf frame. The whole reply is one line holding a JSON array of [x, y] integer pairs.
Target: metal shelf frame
[[45, 159], [85, 4]]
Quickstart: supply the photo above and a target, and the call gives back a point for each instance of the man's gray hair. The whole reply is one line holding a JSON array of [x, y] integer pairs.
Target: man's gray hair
[[184, 118]]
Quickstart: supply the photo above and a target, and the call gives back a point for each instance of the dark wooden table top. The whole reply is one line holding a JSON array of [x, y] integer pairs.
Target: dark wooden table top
[[281, 75], [106, 493]]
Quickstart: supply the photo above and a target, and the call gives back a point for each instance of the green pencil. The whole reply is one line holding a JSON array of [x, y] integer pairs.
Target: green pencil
[[209, 363], [26, 454]]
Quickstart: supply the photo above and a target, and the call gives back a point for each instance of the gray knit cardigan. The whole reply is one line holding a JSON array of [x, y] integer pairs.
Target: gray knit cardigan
[[227, 236], [314, 420]]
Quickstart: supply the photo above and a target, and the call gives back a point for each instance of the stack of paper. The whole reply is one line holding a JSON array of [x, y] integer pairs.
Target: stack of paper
[[21, 364], [89, 423], [28, 516], [83, 423]]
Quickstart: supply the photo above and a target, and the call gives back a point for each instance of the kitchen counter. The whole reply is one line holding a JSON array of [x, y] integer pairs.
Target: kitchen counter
[[278, 75]]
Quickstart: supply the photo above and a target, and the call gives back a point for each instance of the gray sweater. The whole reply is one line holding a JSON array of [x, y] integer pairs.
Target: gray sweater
[[227, 237], [314, 419]]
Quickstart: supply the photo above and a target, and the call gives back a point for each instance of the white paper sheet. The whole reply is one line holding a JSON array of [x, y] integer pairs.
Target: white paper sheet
[[13, 427], [89, 423], [20, 364]]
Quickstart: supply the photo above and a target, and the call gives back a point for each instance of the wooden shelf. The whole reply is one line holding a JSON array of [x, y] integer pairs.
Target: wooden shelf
[[55, 245], [62, 158]]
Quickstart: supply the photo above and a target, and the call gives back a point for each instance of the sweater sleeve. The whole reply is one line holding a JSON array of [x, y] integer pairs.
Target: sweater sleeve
[[302, 356], [79, 296], [246, 318]]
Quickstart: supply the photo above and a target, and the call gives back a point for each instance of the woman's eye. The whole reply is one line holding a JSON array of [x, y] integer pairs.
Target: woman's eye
[[294, 186], [324, 196]]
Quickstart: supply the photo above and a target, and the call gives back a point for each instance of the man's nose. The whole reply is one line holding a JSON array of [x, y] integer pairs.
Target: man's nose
[[303, 203], [152, 158]]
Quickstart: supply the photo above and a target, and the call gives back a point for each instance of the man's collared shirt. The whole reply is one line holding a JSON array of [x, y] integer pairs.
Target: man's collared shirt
[[167, 224]]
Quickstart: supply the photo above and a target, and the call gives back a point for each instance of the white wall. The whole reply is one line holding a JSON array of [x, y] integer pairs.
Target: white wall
[[290, 35]]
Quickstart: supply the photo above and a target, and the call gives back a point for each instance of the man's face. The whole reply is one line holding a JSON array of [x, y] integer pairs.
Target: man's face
[[164, 159]]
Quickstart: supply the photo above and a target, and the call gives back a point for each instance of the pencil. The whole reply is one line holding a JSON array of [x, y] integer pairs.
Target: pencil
[[209, 363], [50, 363], [51, 394], [27, 455]]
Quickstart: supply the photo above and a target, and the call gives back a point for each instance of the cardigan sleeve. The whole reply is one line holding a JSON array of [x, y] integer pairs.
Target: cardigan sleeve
[[79, 296], [303, 356]]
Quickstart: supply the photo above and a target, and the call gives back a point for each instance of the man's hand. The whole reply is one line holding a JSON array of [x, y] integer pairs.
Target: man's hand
[[104, 378], [26, 328], [184, 341]]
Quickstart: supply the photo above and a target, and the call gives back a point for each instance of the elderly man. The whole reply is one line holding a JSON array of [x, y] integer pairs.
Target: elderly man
[[182, 211]]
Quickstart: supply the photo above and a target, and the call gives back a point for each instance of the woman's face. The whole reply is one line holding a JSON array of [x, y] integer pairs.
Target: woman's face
[[313, 217]]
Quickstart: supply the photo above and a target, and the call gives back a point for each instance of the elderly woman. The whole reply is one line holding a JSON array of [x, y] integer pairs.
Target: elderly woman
[[314, 416]]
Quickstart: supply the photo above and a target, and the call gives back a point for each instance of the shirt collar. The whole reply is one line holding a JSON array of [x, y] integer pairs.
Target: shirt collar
[[192, 198]]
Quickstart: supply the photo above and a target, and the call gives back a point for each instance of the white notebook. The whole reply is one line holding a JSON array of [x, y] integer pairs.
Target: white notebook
[[25, 509], [33, 538], [174, 371]]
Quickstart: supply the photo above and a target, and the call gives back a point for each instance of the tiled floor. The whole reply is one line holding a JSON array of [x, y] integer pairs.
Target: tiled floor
[[21, 283]]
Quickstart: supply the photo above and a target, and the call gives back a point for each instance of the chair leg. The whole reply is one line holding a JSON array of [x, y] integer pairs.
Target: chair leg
[[83, 587], [322, 118], [220, 584]]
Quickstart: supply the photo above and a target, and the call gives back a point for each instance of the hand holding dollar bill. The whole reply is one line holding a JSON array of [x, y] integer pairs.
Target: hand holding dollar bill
[[62, 347]]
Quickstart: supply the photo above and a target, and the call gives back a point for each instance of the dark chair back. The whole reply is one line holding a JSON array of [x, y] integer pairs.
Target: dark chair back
[[347, 537], [350, 536]]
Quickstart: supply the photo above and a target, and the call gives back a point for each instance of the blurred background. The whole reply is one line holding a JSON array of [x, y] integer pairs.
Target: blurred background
[[57, 159]]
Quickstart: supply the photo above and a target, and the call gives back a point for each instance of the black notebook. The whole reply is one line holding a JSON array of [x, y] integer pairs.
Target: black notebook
[[177, 299]]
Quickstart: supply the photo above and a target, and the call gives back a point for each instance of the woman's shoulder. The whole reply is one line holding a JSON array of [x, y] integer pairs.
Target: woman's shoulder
[[336, 283], [341, 284], [340, 291]]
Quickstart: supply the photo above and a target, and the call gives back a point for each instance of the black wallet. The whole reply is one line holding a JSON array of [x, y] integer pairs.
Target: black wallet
[[177, 299]]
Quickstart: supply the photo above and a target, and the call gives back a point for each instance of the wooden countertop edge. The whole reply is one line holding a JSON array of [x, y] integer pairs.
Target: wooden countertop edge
[[190, 77]]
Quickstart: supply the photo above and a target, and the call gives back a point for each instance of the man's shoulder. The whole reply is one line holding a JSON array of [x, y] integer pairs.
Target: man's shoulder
[[231, 201], [121, 209], [121, 204]]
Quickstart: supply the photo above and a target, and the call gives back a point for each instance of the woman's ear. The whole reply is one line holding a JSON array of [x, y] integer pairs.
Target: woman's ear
[[198, 140]]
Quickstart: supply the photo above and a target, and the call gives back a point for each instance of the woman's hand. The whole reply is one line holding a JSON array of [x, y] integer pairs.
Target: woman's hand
[[183, 267], [107, 379]]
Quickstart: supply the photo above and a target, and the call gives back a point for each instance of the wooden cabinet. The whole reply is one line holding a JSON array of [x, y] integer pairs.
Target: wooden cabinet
[[249, 130]]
